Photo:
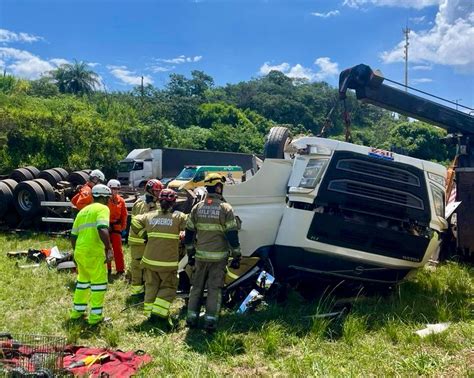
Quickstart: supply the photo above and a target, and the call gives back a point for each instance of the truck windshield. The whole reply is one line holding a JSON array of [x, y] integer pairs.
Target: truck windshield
[[186, 174], [126, 166]]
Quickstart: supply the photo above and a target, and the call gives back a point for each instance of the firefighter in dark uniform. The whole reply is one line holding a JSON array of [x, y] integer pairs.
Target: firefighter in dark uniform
[[160, 260], [211, 233]]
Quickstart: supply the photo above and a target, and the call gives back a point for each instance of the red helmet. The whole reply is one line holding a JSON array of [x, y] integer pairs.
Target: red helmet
[[168, 195], [152, 185]]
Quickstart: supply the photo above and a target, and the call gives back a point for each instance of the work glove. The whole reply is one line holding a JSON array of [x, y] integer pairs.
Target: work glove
[[191, 260], [191, 252], [235, 262]]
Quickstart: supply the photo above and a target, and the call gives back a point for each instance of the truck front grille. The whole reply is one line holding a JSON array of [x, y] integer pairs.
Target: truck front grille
[[380, 171], [369, 191]]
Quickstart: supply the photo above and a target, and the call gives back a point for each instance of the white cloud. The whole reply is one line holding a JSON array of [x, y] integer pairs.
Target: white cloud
[[7, 36], [417, 4], [24, 64], [93, 64], [157, 69], [422, 68], [449, 42], [417, 20], [326, 15], [326, 68], [421, 80], [182, 59], [59, 61], [129, 77]]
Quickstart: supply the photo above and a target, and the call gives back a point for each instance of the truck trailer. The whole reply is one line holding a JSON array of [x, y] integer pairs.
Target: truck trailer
[[143, 164]]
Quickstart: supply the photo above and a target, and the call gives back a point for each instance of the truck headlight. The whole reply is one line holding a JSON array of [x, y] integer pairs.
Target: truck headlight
[[312, 173]]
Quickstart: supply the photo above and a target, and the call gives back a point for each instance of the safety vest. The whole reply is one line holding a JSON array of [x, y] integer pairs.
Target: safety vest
[[85, 228], [211, 219], [118, 213], [162, 232]]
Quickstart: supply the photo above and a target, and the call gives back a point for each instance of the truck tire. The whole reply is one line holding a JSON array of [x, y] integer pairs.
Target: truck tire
[[78, 178], [275, 143], [10, 183], [6, 198], [51, 176], [62, 172], [47, 189], [28, 196], [21, 174], [33, 170]]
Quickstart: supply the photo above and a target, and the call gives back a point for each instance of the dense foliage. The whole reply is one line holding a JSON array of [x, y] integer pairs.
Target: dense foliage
[[61, 120]]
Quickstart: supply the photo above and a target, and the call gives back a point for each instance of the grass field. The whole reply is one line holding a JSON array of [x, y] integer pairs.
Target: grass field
[[375, 338]]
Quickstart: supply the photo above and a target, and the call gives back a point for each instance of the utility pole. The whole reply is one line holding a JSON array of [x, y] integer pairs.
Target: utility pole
[[142, 89], [406, 31]]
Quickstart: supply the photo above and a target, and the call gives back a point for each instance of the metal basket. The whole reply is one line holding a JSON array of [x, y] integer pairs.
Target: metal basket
[[26, 355]]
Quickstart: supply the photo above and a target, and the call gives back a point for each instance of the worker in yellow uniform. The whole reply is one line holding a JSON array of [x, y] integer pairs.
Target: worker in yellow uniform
[[161, 257], [143, 205], [92, 250], [211, 233]]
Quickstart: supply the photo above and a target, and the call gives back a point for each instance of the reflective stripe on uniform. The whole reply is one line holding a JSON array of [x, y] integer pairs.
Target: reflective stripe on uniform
[[163, 235], [141, 233], [211, 255], [162, 303], [82, 285], [102, 222], [231, 275], [136, 240], [159, 263], [80, 307], [209, 227], [96, 310], [231, 224], [99, 287], [190, 224], [137, 289], [158, 310], [135, 223], [147, 307]]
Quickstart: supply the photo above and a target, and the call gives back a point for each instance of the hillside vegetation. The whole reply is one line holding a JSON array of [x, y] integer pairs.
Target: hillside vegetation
[[54, 121], [375, 338]]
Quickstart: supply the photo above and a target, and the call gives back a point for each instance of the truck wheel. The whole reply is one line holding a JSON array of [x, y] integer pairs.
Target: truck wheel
[[275, 143], [62, 172], [28, 196], [10, 183], [21, 174], [47, 189], [33, 170], [51, 176], [6, 198], [78, 178]]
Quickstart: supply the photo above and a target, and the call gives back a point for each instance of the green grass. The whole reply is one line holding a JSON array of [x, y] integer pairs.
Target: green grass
[[375, 337]]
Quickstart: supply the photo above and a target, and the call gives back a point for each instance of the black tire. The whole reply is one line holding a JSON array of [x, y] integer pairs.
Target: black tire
[[47, 189], [78, 178], [6, 199], [10, 183], [28, 196], [33, 170], [275, 143], [21, 174], [62, 172], [51, 176]]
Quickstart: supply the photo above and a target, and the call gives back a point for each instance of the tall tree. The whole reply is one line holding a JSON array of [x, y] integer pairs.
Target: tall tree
[[75, 78]]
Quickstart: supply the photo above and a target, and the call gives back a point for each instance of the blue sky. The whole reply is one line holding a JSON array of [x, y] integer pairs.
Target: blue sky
[[236, 40]]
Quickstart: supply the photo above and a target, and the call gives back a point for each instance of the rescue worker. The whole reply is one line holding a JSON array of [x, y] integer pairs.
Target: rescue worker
[[92, 249], [84, 196], [143, 205], [211, 231], [118, 223], [161, 256]]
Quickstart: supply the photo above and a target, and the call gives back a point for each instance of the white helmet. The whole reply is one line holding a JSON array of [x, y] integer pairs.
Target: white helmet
[[101, 190], [113, 184], [98, 174]]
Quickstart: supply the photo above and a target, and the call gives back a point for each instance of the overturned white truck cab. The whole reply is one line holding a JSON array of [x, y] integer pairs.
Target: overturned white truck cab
[[341, 210]]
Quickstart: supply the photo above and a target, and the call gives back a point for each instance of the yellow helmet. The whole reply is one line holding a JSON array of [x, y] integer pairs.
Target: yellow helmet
[[212, 179]]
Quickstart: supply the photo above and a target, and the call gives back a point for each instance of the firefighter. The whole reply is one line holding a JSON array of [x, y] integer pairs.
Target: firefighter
[[161, 256], [118, 223], [211, 231], [90, 238], [84, 196], [143, 205]]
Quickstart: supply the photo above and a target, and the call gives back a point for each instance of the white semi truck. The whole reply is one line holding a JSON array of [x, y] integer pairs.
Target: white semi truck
[[143, 164]]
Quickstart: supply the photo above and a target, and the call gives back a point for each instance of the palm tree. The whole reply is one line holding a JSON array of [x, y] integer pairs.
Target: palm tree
[[75, 78]]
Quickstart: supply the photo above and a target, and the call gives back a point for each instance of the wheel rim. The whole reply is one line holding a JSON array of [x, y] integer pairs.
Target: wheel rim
[[25, 201]]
